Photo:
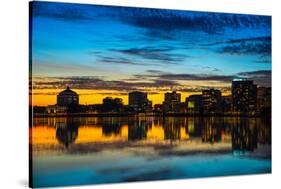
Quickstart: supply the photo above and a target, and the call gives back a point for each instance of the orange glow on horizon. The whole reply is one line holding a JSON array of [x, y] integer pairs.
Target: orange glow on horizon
[[45, 97]]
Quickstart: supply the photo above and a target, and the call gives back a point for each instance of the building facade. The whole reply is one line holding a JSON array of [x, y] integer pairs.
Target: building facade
[[172, 102], [67, 102], [212, 100], [139, 101], [194, 104], [244, 96], [67, 97]]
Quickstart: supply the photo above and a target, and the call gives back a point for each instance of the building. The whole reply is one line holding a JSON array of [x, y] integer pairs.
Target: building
[[67, 97], [112, 104], [172, 102], [139, 101], [158, 107], [226, 103], [194, 104], [211, 100], [244, 96], [67, 102], [264, 99], [56, 109]]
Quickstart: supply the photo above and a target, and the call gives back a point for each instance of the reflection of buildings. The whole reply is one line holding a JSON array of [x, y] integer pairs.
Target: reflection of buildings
[[172, 102], [138, 128], [194, 104], [212, 130], [67, 131], [244, 95], [67, 101], [244, 135], [211, 100], [172, 128], [110, 126], [139, 102]]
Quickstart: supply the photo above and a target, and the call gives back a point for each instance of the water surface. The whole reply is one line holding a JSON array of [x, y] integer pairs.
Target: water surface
[[76, 151]]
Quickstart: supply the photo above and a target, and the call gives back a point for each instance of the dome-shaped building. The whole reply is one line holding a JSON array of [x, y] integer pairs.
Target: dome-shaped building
[[67, 98]]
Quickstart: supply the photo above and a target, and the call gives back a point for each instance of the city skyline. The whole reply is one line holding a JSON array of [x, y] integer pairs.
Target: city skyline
[[122, 94], [151, 50]]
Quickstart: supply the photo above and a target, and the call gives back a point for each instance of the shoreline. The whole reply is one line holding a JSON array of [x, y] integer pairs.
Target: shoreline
[[40, 115]]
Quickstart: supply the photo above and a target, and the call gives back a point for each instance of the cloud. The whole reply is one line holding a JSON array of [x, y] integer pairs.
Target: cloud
[[260, 77], [170, 20], [152, 83], [263, 61], [162, 54], [256, 74], [260, 46], [61, 11], [97, 83], [198, 77], [119, 60]]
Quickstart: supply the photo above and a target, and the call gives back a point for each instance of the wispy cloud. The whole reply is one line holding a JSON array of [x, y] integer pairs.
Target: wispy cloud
[[170, 20], [260, 46], [163, 54], [119, 60], [98, 83], [60, 12]]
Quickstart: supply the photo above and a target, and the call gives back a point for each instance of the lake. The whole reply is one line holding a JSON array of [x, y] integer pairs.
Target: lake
[[96, 150]]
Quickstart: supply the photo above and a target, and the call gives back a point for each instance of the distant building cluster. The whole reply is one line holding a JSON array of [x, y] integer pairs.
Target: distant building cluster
[[245, 98]]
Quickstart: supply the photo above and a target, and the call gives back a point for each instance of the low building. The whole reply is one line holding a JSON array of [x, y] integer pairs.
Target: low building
[[67, 102], [56, 109], [112, 104], [172, 102], [194, 104], [211, 99], [139, 102], [67, 97]]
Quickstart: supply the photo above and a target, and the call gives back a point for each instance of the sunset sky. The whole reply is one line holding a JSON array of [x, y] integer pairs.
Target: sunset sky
[[104, 51]]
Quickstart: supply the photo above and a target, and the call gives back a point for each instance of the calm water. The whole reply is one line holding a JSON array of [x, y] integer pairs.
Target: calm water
[[75, 151]]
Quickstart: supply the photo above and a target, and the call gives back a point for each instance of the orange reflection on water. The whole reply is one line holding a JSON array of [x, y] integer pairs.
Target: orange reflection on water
[[88, 134], [43, 135], [94, 134]]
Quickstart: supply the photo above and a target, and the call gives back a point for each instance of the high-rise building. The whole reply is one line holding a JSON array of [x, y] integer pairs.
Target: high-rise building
[[139, 101], [244, 96], [172, 102], [211, 99]]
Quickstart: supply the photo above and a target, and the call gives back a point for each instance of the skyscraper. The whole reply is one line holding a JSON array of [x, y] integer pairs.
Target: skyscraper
[[244, 96]]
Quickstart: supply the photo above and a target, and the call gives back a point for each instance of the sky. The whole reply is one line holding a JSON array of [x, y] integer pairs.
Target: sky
[[104, 51]]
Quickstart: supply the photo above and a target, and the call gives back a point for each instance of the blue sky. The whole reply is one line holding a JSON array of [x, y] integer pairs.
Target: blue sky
[[106, 47]]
